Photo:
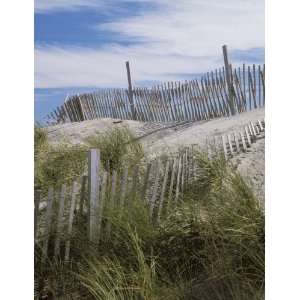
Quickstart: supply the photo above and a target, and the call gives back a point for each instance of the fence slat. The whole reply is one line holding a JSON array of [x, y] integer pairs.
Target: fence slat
[[243, 141], [60, 219], [178, 180], [102, 200], [112, 199], [230, 144], [155, 187], [236, 140], [48, 223], [224, 147], [260, 125], [162, 194], [93, 183], [248, 137], [70, 222], [171, 187]]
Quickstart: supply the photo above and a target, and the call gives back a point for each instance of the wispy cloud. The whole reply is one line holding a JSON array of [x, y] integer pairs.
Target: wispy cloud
[[180, 37], [50, 6]]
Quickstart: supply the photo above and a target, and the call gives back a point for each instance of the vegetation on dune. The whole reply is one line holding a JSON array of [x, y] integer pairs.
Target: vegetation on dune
[[117, 145], [63, 163], [210, 246]]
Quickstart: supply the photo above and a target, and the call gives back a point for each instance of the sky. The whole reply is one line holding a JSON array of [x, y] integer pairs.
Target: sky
[[82, 45]]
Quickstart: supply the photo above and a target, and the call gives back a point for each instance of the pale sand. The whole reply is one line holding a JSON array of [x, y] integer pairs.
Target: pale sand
[[250, 164]]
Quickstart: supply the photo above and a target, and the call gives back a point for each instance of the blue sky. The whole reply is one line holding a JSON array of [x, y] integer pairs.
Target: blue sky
[[82, 45]]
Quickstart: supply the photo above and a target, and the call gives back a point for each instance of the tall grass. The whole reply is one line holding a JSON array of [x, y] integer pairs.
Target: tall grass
[[112, 278], [117, 145], [64, 162], [210, 246]]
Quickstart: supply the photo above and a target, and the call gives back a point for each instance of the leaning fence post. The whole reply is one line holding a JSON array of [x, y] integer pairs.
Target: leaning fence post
[[93, 184], [228, 80], [130, 92]]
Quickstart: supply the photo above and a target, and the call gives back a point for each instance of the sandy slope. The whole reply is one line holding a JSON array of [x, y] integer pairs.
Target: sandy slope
[[162, 140]]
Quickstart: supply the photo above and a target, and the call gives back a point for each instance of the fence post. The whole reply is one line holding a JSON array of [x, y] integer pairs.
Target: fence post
[[130, 93], [93, 184], [228, 80]]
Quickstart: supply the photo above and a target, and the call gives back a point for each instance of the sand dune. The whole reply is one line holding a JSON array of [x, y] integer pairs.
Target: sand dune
[[158, 139]]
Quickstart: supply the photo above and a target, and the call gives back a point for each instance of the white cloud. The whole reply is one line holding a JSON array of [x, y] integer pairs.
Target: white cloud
[[43, 6], [57, 67], [48, 6], [180, 37], [197, 27]]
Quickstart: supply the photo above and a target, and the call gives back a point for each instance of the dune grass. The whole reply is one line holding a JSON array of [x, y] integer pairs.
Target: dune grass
[[64, 162], [210, 246], [117, 145]]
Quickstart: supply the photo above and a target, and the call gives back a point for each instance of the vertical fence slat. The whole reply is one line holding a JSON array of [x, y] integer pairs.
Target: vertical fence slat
[[230, 144], [48, 223], [60, 219], [155, 187], [236, 140], [102, 200], [248, 136], [171, 187], [178, 180], [70, 221], [224, 147], [260, 125], [162, 194], [93, 183], [229, 83], [112, 199], [243, 141]]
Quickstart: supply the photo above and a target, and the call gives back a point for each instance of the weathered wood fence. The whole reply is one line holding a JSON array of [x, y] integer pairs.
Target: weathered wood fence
[[158, 185], [194, 100]]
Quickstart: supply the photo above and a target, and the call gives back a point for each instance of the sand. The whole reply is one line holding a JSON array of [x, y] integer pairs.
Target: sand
[[158, 139]]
